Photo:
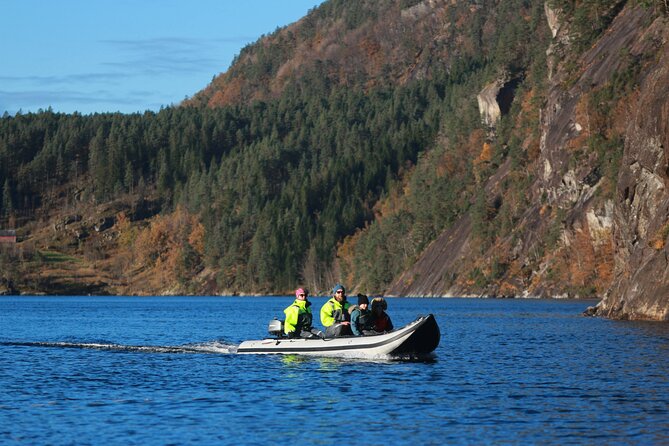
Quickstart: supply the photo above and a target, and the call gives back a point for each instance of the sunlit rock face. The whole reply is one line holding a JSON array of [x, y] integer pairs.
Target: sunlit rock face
[[630, 223], [488, 105], [641, 286], [422, 9], [638, 216], [495, 100], [553, 18]]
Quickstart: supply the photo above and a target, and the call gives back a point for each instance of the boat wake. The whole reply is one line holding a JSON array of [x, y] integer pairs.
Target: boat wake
[[212, 347]]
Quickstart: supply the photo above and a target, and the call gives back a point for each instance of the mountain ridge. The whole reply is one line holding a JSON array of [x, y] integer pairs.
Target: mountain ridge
[[511, 167]]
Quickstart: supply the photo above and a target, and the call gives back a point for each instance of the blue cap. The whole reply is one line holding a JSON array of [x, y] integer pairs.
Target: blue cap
[[338, 287]]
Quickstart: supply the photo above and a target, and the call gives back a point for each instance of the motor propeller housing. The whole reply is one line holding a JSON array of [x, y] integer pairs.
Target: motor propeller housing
[[275, 327]]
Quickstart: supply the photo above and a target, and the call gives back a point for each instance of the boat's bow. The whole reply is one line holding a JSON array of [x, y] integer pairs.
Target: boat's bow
[[422, 340]]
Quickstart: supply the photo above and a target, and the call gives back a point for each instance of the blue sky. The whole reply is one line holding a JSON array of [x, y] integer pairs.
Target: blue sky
[[125, 55]]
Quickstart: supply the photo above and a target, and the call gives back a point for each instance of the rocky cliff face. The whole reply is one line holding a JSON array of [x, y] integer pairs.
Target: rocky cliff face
[[631, 222], [611, 245], [489, 105], [641, 285]]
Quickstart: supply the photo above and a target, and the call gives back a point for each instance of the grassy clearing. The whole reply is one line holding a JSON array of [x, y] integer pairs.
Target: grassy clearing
[[57, 257]]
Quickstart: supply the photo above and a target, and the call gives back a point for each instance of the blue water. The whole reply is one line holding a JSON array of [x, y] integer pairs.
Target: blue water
[[163, 370]]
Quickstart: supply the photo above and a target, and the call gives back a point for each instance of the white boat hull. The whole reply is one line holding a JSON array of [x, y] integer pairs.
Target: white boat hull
[[418, 337]]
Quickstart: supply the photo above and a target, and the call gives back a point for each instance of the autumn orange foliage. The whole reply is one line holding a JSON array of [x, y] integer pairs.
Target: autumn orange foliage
[[582, 266], [605, 265], [346, 253], [659, 239], [486, 153], [165, 244]]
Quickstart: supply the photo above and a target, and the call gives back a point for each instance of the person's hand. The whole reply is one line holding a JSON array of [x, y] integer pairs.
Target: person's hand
[[346, 323]]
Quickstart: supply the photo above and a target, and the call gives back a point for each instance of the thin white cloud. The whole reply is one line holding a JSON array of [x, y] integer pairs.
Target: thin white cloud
[[167, 55], [66, 79]]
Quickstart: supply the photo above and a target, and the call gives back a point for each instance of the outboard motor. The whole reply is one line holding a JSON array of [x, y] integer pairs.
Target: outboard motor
[[275, 328]]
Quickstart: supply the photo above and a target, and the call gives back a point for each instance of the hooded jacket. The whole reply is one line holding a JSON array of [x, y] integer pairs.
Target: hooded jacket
[[298, 317], [333, 312]]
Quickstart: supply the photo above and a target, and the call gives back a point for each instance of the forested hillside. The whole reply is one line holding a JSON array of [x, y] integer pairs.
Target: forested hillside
[[401, 146]]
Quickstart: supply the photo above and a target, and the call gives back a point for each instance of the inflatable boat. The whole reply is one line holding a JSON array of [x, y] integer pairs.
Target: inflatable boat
[[417, 338]]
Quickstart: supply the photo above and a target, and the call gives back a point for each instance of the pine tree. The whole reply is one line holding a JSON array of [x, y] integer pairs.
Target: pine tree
[[7, 200]]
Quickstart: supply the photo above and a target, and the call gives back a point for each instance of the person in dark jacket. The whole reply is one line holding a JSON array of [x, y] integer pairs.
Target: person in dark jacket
[[298, 323], [381, 320], [361, 317]]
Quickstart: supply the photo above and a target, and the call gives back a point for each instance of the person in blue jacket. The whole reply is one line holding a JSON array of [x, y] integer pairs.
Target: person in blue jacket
[[361, 317]]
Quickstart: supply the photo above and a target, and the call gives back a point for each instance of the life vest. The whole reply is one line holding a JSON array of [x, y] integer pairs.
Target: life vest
[[333, 312], [339, 311], [298, 317], [305, 319], [364, 321], [382, 323]]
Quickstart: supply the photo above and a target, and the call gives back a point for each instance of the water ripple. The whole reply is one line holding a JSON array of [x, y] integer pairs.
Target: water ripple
[[164, 371]]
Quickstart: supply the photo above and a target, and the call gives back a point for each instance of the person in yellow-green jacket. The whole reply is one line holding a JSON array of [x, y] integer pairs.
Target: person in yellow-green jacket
[[334, 314], [298, 323]]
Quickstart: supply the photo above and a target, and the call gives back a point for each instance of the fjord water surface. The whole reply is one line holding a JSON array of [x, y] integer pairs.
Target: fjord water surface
[[164, 370]]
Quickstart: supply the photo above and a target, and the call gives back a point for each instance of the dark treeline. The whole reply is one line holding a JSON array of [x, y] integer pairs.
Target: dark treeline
[[273, 182]]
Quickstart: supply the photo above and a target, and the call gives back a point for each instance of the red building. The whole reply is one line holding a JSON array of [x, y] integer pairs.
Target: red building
[[8, 236]]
